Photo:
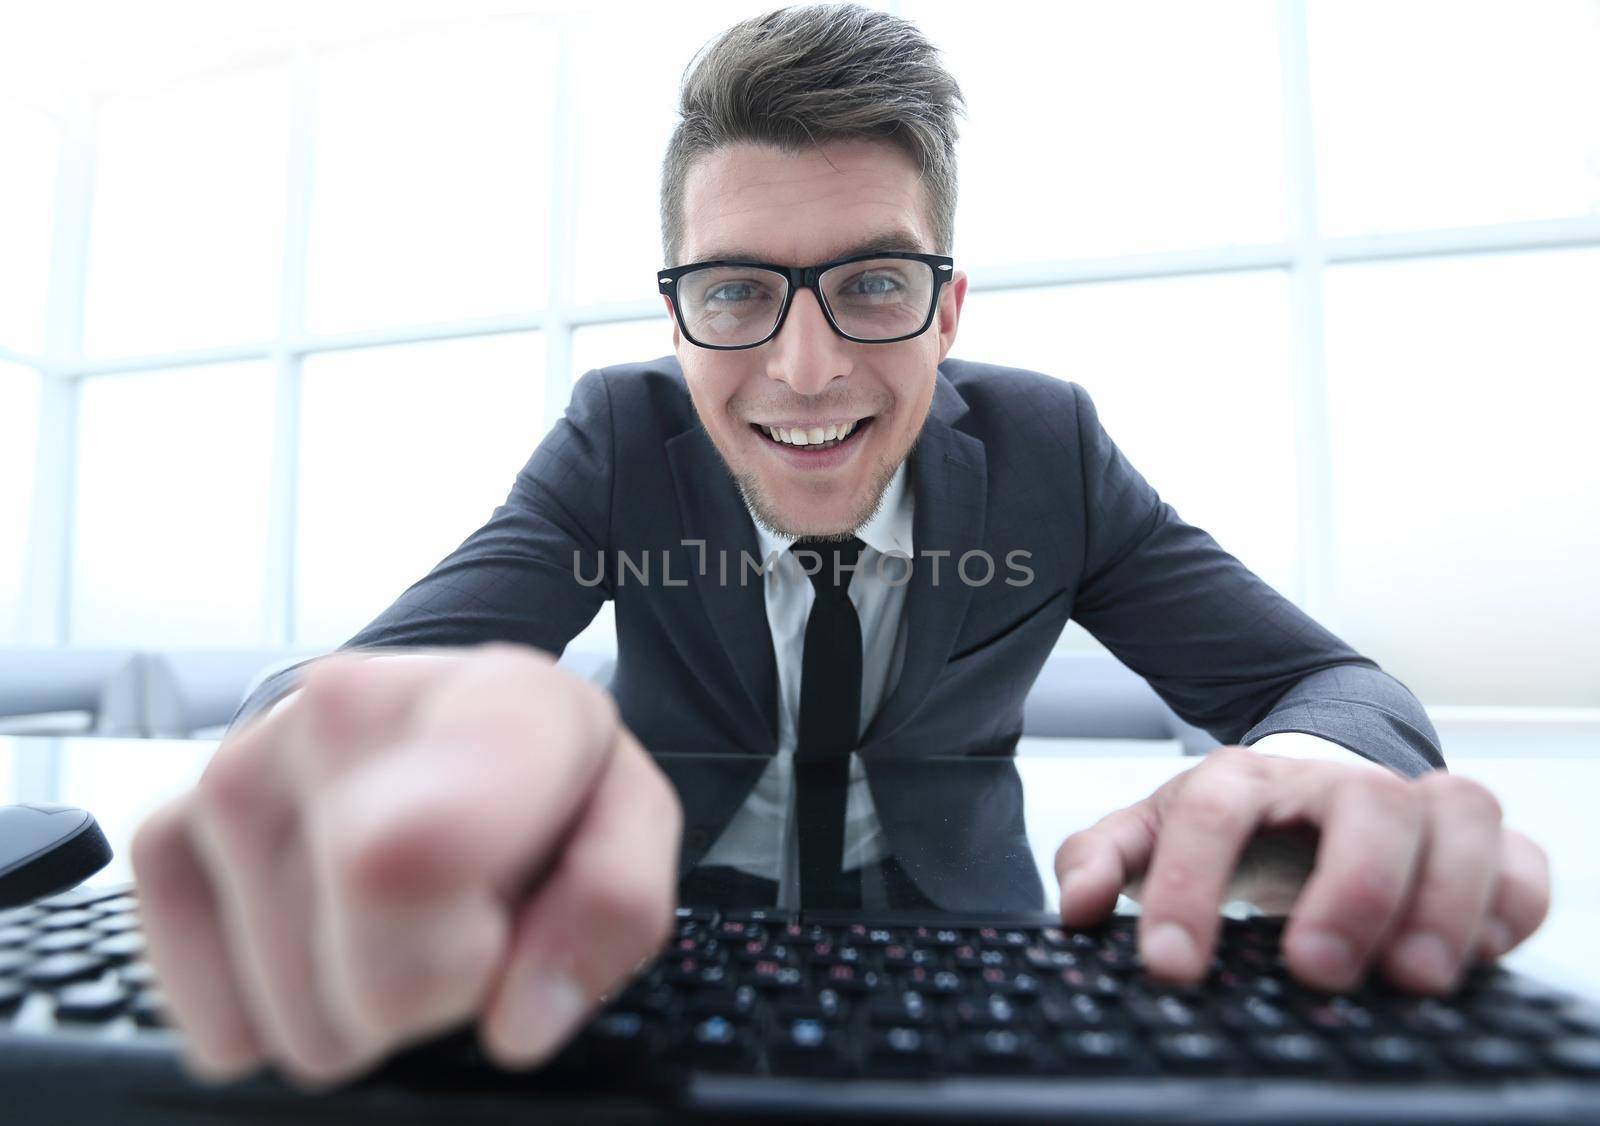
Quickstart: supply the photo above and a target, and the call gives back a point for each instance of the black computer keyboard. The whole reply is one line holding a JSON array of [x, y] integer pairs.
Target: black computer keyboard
[[755, 992]]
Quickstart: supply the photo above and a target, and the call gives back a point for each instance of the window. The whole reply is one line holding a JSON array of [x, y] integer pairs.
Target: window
[[19, 429], [431, 197], [1463, 394], [1503, 127], [173, 491], [1190, 377], [404, 452], [29, 141], [1098, 129], [187, 238]]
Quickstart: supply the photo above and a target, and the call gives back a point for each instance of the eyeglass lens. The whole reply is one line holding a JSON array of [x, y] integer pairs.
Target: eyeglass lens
[[876, 299]]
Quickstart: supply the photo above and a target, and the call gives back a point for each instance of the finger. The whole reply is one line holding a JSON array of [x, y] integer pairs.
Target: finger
[[606, 906], [1204, 828], [1521, 898], [1459, 866], [185, 945], [1371, 841], [416, 849], [1095, 864], [247, 833]]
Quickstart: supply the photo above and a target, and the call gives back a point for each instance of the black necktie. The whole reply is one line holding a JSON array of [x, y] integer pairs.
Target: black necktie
[[830, 715]]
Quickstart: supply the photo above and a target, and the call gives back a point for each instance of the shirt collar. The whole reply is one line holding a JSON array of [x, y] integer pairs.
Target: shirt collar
[[888, 532]]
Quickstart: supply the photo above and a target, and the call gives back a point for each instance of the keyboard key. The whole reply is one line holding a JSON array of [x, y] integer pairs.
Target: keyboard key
[[1390, 1055], [137, 974], [20, 916], [1521, 1021], [1428, 1016], [149, 1009], [1077, 1010], [59, 942], [91, 1001], [66, 920], [1578, 1016], [11, 996], [1496, 1055], [114, 924], [63, 969], [809, 1047], [1002, 1050], [1096, 1049], [81, 897], [1196, 1051], [120, 905], [1294, 1053], [16, 936], [905, 1050], [118, 947], [718, 1044], [1340, 1015], [899, 1008], [14, 961], [1577, 1054], [1255, 1015], [990, 1012]]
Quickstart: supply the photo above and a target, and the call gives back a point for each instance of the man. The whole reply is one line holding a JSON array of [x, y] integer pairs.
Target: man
[[405, 843]]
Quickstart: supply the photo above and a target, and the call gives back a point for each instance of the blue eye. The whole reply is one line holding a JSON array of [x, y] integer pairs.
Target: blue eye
[[731, 292]]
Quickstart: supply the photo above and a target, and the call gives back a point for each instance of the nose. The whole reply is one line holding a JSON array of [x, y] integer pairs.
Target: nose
[[807, 354]]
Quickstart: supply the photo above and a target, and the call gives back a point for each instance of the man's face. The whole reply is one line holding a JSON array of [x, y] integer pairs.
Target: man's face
[[762, 204]]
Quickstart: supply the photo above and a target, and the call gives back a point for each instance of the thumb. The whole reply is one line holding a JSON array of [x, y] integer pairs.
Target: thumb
[[1095, 864]]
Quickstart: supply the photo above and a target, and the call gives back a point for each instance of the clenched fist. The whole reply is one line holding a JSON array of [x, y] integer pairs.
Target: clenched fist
[[407, 844]]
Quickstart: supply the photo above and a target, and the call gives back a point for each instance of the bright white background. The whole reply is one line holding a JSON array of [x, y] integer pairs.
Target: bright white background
[[289, 292]]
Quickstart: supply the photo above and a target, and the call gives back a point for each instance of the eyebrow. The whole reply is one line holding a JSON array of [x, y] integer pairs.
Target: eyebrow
[[898, 239]]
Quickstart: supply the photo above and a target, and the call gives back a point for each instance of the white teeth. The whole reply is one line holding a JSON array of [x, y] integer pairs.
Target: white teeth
[[811, 436]]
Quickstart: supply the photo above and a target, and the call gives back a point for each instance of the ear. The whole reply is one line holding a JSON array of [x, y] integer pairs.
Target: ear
[[950, 301], [667, 301]]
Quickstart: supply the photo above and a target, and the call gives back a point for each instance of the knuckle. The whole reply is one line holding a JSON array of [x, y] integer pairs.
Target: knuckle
[[1369, 893], [639, 912], [1391, 793], [1214, 810], [1467, 793], [233, 781]]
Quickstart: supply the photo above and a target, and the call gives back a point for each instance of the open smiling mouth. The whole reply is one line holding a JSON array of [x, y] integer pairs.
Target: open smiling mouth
[[817, 438]]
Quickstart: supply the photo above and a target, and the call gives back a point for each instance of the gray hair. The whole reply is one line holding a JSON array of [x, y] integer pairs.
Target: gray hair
[[802, 76]]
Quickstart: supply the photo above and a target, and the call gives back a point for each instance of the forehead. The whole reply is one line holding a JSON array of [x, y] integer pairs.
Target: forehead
[[796, 208]]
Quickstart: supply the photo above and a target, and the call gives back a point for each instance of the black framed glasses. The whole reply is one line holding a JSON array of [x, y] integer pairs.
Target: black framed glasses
[[868, 298]]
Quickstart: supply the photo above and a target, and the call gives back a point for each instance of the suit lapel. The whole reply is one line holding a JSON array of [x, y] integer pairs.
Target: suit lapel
[[713, 512], [949, 480]]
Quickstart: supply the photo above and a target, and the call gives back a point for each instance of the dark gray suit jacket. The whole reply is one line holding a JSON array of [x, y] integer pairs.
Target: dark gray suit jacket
[[1008, 461]]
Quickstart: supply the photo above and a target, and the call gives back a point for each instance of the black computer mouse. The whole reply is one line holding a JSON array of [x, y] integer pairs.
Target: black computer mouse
[[45, 849]]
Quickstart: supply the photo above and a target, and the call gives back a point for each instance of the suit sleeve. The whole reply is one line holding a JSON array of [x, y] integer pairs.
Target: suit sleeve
[[1226, 652], [532, 574]]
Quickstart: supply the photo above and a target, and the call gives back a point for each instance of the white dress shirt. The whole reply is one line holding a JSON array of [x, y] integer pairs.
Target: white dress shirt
[[762, 839]]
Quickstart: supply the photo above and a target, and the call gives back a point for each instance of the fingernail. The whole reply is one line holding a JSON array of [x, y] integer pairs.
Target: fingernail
[[1168, 946], [1497, 937], [1330, 955], [1425, 956], [544, 1016]]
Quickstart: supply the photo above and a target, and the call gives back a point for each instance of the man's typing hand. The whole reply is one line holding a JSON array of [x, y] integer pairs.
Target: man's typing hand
[[1416, 879], [408, 845]]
